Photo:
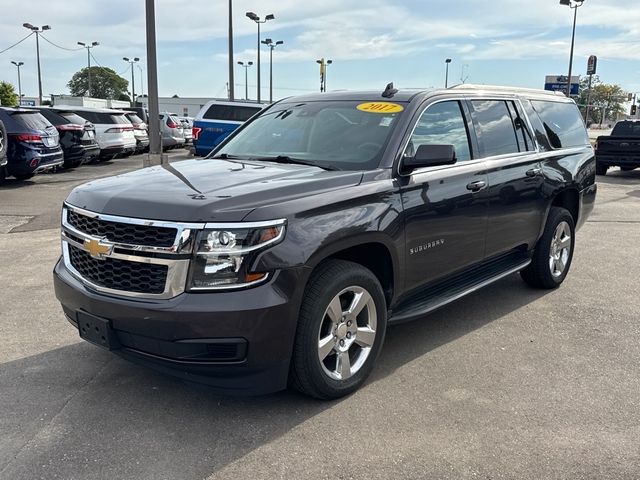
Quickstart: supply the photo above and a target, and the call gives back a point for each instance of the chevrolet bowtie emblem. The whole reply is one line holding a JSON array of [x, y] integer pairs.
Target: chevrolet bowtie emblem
[[97, 249]]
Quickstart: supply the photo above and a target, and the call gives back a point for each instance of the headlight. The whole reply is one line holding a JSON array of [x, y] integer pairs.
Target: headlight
[[224, 255]]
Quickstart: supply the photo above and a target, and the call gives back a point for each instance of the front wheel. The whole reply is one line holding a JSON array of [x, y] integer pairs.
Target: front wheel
[[340, 332], [553, 254]]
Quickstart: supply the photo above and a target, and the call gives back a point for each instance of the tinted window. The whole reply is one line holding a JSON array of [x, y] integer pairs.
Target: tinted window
[[53, 117], [525, 142], [230, 113], [626, 129], [441, 124], [119, 118], [538, 128], [562, 122], [97, 117], [494, 128], [332, 134], [73, 118], [33, 121], [134, 118]]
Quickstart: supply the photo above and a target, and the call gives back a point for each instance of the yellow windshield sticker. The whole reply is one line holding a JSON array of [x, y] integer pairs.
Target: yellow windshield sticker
[[380, 107]]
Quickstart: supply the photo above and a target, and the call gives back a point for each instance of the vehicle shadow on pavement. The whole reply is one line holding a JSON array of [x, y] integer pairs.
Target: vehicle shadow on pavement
[[78, 412]]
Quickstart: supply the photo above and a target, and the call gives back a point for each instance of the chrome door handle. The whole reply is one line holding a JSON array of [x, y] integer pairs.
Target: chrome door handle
[[477, 185], [534, 172]]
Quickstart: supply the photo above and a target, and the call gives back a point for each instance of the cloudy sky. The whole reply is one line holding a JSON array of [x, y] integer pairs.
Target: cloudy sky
[[371, 42]]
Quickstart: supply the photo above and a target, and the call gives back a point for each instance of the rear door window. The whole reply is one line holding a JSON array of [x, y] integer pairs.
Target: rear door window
[[32, 121], [230, 113], [562, 122], [494, 128]]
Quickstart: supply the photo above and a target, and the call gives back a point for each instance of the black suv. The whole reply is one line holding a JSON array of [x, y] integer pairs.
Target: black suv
[[281, 258]]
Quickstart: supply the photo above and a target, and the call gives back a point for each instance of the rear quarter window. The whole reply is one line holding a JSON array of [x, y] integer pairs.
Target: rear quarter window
[[626, 129], [230, 113], [562, 123]]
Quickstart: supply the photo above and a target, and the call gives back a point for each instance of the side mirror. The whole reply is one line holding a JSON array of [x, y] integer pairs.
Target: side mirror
[[430, 155]]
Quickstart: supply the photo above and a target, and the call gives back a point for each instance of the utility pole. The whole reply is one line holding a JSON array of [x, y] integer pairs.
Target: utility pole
[[155, 142], [256, 18], [18, 65], [231, 80], [38, 31], [89, 46], [133, 80]]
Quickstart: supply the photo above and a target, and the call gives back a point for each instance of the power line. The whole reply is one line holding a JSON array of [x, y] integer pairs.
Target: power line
[[61, 48], [16, 44]]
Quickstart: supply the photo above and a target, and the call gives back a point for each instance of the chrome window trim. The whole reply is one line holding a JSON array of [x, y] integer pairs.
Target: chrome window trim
[[462, 98]]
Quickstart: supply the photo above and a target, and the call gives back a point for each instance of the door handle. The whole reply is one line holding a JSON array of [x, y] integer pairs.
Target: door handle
[[534, 172], [477, 185]]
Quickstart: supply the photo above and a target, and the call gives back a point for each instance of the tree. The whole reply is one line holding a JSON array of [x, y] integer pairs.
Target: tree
[[105, 83], [609, 97], [8, 95]]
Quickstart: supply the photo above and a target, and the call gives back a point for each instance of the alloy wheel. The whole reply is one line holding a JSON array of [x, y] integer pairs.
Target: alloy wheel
[[560, 250]]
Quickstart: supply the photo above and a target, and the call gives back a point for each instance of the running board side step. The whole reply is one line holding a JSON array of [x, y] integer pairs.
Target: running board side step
[[456, 287]]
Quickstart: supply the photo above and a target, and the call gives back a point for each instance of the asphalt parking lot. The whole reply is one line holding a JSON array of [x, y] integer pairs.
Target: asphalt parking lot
[[509, 382]]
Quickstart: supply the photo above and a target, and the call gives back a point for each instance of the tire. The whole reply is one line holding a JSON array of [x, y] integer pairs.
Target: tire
[[24, 176], [553, 255], [357, 338], [601, 169], [3, 174]]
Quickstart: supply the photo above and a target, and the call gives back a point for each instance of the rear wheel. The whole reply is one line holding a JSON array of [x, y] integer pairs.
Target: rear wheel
[[340, 332], [3, 143], [552, 256], [601, 169]]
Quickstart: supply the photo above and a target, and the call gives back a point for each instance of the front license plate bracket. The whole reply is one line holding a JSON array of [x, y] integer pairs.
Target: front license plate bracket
[[97, 330]]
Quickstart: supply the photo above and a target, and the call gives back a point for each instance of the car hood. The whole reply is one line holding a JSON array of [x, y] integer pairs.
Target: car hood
[[206, 190]]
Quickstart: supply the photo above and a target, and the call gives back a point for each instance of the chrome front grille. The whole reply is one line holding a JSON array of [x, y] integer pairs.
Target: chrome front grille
[[118, 232], [119, 274], [127, 256]]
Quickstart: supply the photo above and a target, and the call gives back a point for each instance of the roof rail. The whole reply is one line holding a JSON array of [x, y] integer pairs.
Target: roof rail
[[493, 88]]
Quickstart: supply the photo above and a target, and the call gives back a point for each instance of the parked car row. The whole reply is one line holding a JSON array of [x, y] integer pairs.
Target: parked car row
[[36, 139]]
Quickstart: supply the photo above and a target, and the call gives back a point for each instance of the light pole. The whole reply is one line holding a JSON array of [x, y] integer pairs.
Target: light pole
[[18, 65], [133, 79], [271, 44], [574, 4], [246, 78], [38, 31], [231, 94], [323, 73], [446, 75], [89, 46], [256, 18], [141, 80]]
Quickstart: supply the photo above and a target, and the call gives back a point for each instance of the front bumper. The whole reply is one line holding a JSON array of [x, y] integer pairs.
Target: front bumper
[[182, 336]]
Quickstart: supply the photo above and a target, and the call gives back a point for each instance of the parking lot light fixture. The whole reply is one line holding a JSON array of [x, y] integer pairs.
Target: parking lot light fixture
[[323, 73], [446, 75], [573, 4], [18, 65], [255, 18], [89, 46], [133, 79], [272, 45], [246, 78], [37, 31]]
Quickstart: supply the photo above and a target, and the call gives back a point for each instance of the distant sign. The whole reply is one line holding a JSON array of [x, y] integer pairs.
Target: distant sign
[[558, 83], [592, 65], [27, 103]]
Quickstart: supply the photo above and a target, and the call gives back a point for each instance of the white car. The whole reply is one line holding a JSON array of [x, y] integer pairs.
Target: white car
[[171, 130], [187, 123], [114, 131]]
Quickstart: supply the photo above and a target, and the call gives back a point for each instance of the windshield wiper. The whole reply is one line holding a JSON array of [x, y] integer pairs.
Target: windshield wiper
[[296, 161]]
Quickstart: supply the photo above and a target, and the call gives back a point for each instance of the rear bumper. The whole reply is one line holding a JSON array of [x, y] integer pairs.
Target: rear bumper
[[116, 150], [81, 153], [177, 336], [627, 160], [25, 161]]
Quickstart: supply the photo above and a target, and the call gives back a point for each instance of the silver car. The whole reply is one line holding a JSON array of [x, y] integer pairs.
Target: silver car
[[171, 130]]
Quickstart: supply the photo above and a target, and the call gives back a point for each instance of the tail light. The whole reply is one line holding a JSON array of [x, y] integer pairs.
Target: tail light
[[195, 131], [28, 138], [172, 124], [119, 130], [70, 127]]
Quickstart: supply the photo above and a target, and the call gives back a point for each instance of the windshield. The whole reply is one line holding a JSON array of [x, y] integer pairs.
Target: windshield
[[343, 135]]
